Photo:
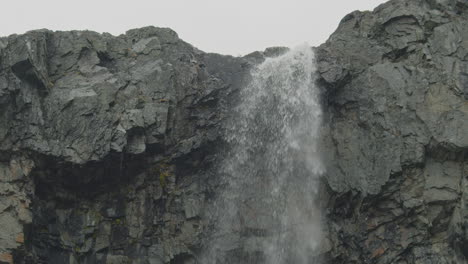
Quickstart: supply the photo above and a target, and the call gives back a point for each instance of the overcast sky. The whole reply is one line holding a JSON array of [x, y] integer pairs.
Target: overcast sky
[[234, 27]]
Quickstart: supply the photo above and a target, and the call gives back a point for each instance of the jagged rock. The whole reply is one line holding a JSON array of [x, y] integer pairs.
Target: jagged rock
[[109, 130], [396, 112], [109, 144]]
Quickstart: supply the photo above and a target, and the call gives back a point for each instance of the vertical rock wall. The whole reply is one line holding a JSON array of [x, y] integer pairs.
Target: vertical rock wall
[[109, 145], [398, 127], [106, 144]]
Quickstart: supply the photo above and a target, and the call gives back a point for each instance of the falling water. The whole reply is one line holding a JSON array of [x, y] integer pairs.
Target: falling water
[[266, 211]]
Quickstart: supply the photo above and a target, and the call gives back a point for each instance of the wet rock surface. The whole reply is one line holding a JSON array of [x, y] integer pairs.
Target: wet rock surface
[[109, 144]]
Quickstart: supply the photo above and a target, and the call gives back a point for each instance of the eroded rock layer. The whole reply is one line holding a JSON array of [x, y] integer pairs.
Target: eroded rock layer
[[109, 146], [398, 124], [106, 145]]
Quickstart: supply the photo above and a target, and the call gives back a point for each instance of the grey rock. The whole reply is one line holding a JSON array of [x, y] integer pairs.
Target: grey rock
[[394, 79], [115, 142], [107, 136]]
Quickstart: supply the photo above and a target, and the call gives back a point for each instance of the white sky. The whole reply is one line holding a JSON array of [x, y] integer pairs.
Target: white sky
[[234, 27]]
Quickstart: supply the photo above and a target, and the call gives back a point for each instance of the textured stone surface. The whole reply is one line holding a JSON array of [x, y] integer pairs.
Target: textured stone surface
[[398, 127], [109, 145], [110, 138]]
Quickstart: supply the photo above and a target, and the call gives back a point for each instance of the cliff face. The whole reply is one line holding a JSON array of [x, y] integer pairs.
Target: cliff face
[[398, 124], [106, 143], [109, 145]]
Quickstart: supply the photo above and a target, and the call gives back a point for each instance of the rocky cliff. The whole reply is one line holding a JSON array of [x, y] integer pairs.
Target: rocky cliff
[[109, 145], [106, 145], [398, 126]]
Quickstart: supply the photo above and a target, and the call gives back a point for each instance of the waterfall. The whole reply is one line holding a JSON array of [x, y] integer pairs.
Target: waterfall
[[266, 211]]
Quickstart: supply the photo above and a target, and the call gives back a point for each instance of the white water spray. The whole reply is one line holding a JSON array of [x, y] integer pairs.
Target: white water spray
[[267, 211]]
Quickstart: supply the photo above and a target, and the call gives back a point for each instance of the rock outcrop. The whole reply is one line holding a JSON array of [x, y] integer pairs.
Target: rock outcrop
[[109, 145], [106, 145], [398, 126]]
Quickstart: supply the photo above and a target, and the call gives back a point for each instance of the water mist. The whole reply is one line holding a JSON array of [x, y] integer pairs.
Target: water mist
[[266, 211]]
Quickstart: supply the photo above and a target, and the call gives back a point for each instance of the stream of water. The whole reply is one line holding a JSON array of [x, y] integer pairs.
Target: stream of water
[[267, 211]]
